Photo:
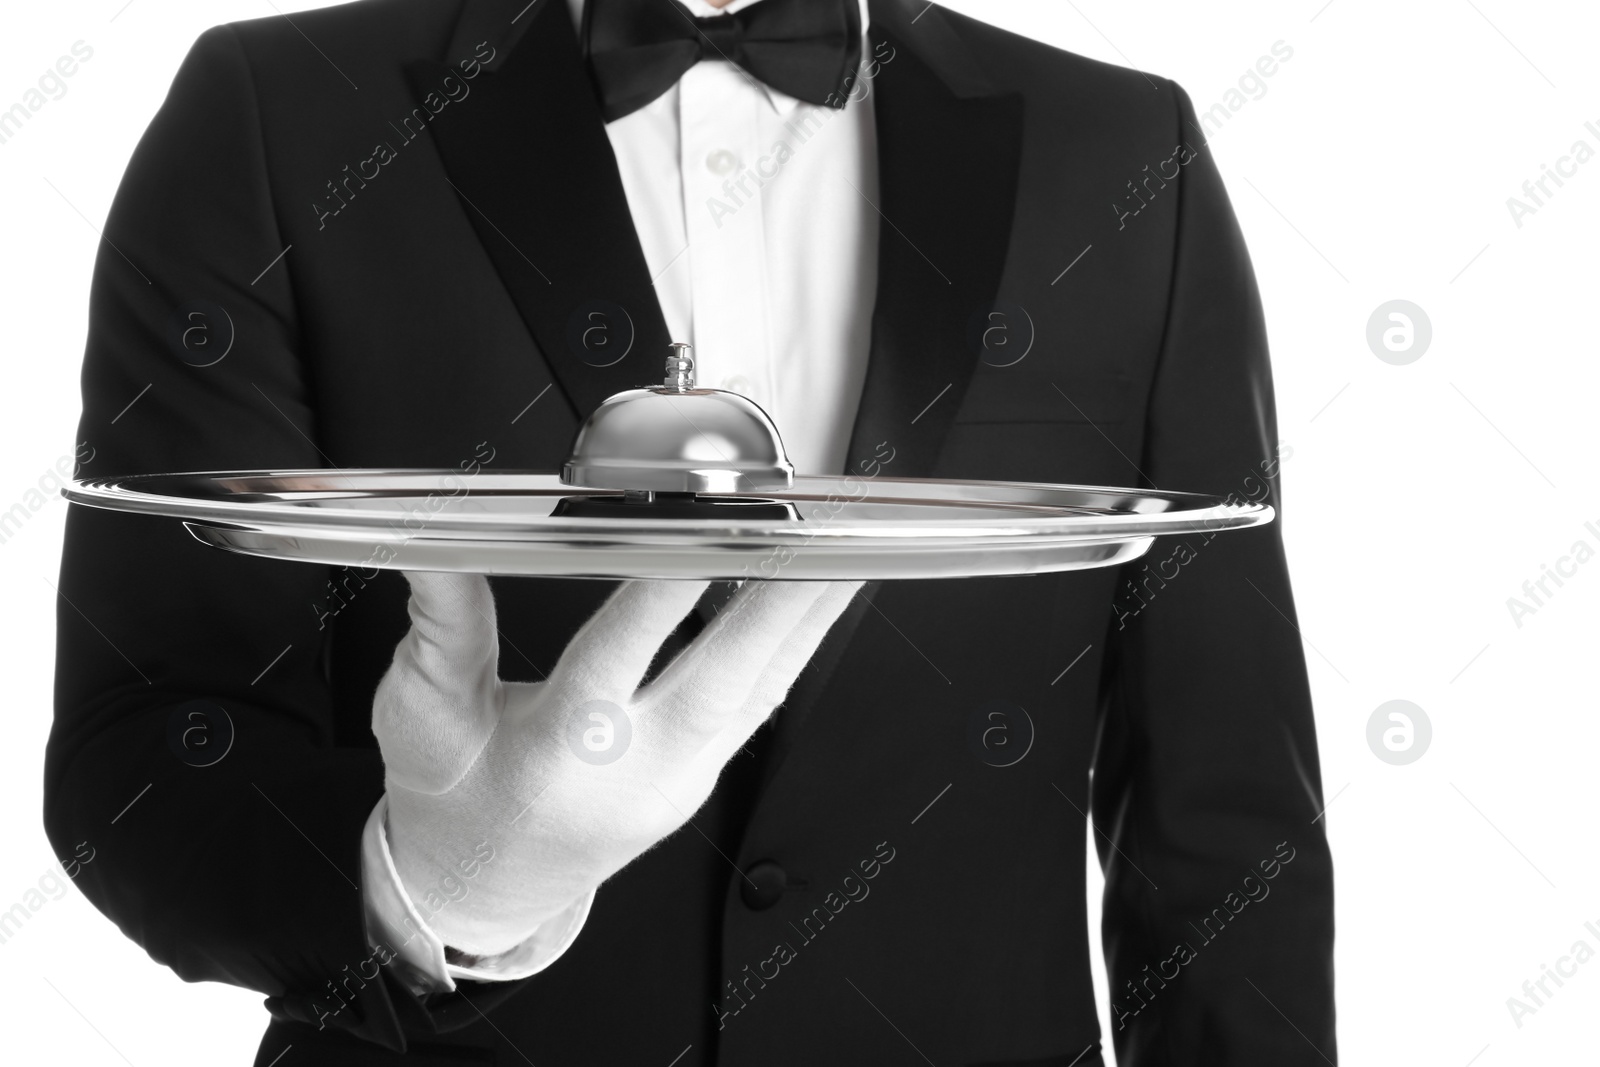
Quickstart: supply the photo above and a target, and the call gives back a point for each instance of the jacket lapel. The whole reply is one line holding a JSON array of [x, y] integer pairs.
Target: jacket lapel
[[527, 153], [500, 24], [949, 145]]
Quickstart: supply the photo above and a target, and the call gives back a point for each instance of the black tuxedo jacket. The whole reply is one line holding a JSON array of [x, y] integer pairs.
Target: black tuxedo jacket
[[386, 218]]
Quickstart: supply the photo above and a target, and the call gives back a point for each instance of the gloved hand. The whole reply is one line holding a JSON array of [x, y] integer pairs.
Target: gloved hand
[[569, 779]]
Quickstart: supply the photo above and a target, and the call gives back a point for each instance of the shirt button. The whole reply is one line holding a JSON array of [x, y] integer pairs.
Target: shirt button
[[722, 161], [762, 885], [737, 383]]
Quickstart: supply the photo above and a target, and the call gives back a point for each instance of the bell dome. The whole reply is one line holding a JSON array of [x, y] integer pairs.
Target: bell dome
[[677, 438]]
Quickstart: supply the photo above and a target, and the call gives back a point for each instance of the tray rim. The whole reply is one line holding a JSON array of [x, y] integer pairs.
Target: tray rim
[[1203, 512]]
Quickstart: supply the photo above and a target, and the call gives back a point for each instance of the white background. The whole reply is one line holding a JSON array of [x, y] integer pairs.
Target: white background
[[1376, 166]]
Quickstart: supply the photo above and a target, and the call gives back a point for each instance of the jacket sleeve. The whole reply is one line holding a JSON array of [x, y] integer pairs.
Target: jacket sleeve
[[1218, 916], [194, 745]]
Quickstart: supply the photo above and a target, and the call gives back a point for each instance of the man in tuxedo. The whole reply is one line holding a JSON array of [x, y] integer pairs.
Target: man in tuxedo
[[418, 233]]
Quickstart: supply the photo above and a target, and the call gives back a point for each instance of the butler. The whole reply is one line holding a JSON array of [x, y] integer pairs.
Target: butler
[[843, 825]]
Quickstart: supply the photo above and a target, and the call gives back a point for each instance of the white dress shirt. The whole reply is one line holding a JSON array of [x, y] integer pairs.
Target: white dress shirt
[[755, 214]]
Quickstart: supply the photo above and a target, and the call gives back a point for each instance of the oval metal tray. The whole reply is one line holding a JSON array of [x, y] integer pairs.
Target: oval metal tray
[[501, 523]]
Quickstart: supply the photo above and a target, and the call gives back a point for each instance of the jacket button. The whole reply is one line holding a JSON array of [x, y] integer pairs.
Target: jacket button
[[762, 885]]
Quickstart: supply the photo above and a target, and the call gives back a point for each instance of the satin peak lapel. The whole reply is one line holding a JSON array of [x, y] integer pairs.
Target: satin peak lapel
[[949, 148], [527, 155]]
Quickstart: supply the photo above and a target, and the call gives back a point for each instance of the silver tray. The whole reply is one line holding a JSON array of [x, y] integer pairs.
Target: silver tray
[[501, 523]]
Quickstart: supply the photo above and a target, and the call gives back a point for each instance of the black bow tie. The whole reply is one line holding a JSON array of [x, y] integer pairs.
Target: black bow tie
[[638, 49]]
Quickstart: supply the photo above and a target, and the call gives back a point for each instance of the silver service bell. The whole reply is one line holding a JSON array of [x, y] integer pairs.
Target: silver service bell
[[678, 438]]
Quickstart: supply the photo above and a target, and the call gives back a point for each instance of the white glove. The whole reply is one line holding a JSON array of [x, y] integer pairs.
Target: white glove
[[565, 781]]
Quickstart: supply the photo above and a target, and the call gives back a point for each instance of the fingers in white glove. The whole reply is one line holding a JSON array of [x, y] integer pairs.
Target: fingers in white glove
[[436, 706], [452, 620], [802, 643], [610, 654], [742, 666]]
